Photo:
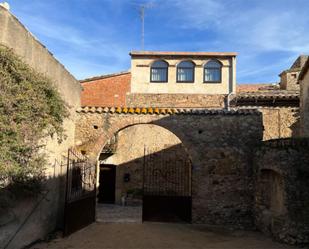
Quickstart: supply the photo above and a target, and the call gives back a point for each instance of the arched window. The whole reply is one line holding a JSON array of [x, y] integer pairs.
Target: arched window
[[212, 71], [185, 71], [158, 71]]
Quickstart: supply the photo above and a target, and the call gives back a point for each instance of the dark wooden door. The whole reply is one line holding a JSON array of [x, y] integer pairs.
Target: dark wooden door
[[107, 183]]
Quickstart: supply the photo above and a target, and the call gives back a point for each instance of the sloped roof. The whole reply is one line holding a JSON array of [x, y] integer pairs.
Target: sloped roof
[[297, 65], [300, 61], [256, 87], [104, 76], [267, 98]]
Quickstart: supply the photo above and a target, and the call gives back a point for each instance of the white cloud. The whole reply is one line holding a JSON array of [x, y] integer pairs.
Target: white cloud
[[262, 28], [83, 53], [100, 44]]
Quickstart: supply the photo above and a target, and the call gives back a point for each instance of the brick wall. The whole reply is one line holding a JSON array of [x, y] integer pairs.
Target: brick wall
[[106, 91]]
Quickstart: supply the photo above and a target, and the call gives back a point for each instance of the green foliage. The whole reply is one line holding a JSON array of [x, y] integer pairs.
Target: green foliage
[[31, 110]]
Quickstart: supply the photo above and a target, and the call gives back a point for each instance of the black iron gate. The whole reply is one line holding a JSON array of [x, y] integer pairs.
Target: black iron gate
[[166, 186], [80, 200]]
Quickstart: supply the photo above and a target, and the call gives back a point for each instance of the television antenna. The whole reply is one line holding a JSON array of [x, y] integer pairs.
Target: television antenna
[[142, 7]]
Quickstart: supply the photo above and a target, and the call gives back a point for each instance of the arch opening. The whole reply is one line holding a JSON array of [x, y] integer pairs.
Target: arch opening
[[272, 192], [152, 171]]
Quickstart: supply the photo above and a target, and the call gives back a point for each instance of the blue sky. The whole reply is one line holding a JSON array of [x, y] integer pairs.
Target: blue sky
[[94, 37]]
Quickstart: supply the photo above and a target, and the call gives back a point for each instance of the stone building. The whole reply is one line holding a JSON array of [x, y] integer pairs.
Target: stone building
[[272, 170], [156, 79], [289, 77], [167, 79], [280, 110], [176, 135], [172, 140]]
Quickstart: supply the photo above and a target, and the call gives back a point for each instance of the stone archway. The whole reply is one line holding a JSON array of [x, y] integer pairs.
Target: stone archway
[[149, 158], [222, 181]]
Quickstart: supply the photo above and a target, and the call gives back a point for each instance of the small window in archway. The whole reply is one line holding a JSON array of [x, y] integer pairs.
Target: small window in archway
[[158, 71], [185, 72], [213, 72]]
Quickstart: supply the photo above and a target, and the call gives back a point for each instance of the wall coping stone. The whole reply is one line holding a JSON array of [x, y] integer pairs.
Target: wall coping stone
[[164, 111]]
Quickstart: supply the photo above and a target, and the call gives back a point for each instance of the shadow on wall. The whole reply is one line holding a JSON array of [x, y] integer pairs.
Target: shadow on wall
[[159, 180], [282, 192], [221, 147], [29, 216], [295, 127]]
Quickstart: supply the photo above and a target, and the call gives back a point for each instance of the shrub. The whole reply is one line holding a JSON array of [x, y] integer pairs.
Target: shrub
[[31, 110]]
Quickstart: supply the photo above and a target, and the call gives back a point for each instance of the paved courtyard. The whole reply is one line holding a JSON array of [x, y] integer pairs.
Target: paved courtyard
[[160, 236], [111, 213]]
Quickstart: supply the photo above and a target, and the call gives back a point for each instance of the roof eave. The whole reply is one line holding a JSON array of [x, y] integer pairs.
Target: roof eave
[[186, 54]]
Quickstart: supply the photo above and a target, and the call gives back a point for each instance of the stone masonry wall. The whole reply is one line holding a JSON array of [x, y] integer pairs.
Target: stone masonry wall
[[304, 105], [280, 122], [216, 101], [26, 219], [135, 142], [282, 192], [221, 156], [289, 80]]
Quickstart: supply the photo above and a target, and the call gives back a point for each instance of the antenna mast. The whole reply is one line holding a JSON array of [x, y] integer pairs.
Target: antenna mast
[[142, 8], [142, 13]]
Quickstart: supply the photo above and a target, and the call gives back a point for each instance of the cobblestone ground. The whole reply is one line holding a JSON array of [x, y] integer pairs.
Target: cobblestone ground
[[160, 236]]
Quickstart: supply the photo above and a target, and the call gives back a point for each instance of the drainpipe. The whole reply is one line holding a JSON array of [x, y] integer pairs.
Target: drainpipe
[[231, 85], [228, 101]]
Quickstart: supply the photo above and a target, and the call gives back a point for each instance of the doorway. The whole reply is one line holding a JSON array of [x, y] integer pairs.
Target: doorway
[[107, 185]]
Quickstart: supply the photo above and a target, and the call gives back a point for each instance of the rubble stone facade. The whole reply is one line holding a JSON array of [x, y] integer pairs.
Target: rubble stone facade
[[133, 144], [280, 122], [289, 78], [222, 180], [282, 192], [217, 101]]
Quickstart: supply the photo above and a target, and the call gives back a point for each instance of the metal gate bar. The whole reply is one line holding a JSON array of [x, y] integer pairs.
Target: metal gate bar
[[166, 186], [80, 199]]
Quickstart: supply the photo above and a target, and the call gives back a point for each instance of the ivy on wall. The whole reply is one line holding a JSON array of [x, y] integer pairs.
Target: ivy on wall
[[31, 110]]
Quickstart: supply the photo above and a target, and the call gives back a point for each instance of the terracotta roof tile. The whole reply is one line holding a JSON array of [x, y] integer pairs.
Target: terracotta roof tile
[[274, 94], [164, 111], [104, 76], [256, 87]]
